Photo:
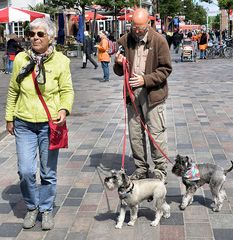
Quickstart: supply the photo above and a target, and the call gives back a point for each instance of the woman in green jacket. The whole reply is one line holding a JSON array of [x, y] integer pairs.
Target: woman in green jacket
[[27, 119]]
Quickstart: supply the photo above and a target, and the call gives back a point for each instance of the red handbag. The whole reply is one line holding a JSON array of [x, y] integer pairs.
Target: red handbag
[[58, 137]]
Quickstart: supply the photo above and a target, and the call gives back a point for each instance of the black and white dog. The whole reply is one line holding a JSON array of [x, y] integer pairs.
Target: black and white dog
[[196, 175]]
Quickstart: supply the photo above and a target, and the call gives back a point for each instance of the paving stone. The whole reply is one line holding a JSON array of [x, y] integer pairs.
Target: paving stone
[[220, 234], [172, 232], [204, 230], [77, 192], [58, 234], [95, 188], [72, 202], [10, 229], [77, 236]]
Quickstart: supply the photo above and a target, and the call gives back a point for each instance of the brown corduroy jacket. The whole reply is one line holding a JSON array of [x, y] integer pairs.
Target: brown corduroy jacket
[[158, 64]]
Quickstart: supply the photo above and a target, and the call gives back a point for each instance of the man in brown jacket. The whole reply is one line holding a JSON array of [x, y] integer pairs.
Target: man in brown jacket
[[149, 62]]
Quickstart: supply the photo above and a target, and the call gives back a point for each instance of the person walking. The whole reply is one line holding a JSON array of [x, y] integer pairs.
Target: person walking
[[103, 55], [149, 65], [13, 48], [27, 120], [88, 50]]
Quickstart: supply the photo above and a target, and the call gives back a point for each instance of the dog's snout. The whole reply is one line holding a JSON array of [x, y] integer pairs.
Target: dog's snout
[[106, 179]]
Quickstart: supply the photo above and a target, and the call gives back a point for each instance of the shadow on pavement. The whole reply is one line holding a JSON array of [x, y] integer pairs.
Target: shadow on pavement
[[13, 195]]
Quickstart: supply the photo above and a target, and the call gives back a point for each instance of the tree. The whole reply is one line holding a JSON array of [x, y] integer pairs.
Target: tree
[[227, 4]]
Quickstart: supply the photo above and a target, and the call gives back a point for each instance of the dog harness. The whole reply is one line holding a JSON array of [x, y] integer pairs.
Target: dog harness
[[192, 173], [123, 193]]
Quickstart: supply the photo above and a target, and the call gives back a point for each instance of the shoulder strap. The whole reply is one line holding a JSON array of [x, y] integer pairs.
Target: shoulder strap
[[40, 96]]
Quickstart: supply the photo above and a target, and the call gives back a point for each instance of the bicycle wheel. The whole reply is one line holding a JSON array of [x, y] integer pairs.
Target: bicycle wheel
[[228, 52], [210, 53]]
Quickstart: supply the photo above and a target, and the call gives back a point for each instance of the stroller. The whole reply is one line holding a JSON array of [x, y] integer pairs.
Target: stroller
[[188, 52]]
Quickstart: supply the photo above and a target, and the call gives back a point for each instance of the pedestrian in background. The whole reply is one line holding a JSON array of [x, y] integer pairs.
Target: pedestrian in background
[[103, 55], [27, 120], [13, 47], [203, 44], [88, 49], [149, 61]]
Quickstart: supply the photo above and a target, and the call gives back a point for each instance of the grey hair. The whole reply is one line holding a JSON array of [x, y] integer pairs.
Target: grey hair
[[45, 23]]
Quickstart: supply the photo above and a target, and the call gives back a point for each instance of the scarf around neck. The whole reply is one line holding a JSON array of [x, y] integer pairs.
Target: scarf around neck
[[35, 61], [192, 173]]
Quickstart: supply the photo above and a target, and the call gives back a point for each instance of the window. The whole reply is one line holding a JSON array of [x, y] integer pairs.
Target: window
[[18, 29]]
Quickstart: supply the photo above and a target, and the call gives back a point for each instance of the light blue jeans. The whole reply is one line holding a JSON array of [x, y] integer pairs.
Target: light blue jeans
[[30, 137], [9, 65]]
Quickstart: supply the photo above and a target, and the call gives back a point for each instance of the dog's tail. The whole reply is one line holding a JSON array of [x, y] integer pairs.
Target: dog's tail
[[157, 174], [228, 170]]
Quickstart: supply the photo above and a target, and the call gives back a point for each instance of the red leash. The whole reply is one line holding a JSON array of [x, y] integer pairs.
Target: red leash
[[128, 89]]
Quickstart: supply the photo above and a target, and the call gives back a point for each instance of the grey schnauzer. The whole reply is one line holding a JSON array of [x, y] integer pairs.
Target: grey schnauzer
[[196, 175], [132, 192]]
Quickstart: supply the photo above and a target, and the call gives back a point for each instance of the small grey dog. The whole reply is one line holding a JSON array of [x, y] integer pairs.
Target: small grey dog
[[132, 192], [209, 173]]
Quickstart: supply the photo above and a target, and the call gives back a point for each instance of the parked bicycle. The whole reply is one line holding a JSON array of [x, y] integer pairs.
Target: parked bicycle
[[219, 51]]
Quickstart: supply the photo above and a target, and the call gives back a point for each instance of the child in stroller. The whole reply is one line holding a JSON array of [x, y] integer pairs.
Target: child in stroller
[[188, 52]]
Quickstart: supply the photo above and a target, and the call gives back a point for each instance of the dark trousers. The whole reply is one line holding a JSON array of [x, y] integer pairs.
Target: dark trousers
[[88, 57]]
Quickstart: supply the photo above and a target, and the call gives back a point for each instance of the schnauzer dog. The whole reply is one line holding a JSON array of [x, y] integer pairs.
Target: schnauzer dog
[[132, 192], [196, 175]]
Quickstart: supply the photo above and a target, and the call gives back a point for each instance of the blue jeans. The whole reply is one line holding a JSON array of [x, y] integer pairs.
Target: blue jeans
[[30, 136], [202, 54], [105, 70], [9, 65]]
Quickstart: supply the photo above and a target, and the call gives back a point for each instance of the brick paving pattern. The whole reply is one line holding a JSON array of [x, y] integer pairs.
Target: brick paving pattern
[[200, 124]]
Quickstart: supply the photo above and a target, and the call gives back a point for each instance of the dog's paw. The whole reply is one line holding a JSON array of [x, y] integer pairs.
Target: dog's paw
[[118, 226], [182, 207], [216, 209], [154, 223], [166, 215], [131, 223]]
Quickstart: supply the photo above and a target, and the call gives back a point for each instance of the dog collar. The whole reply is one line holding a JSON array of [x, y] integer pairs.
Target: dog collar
[[192, 173], [124, 194]]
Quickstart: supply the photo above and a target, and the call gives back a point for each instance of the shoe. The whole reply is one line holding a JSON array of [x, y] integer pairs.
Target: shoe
[[137, 175], [96, 67], [30, 218], [47, 220], [83, 67], [102, 80]]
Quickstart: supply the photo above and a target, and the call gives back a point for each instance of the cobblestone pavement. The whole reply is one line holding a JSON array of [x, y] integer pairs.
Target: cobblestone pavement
[[200, 124]]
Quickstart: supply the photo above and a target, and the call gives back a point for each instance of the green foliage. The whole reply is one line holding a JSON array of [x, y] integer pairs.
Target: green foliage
[[187, 8], [225, 4], [116, 4], [44, 8]]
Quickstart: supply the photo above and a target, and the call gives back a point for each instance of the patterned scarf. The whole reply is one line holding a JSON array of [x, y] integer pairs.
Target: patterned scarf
[[37, 62], [192, 174]]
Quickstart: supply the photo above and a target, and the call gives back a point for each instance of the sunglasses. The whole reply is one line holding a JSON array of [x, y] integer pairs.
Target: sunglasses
[[39, 34], [140, 29]]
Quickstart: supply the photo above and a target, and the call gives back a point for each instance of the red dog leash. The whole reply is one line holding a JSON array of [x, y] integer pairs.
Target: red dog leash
[[127, 88]]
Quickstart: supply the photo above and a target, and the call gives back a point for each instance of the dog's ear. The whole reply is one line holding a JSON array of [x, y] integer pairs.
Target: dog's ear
[[124, 178]]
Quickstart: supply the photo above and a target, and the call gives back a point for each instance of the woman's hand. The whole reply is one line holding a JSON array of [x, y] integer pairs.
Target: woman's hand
[[10, 127], [61, 117]]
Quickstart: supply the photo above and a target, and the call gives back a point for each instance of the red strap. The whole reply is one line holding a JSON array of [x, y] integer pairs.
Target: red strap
[[132, 97], [40, 96]]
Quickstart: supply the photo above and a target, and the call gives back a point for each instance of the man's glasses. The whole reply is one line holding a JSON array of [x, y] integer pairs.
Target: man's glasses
[[39, 34], [139, 28]]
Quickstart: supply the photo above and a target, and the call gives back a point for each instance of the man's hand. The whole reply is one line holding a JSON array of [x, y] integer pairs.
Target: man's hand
[[136, 81], [119, 58], [61, 117], [10, 127]]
